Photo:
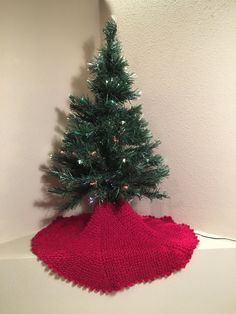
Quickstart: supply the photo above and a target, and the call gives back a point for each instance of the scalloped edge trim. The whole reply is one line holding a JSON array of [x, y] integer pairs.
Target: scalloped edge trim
[[58, 275]]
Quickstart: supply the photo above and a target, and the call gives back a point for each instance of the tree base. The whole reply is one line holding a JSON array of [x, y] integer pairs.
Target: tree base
[[114, 247]]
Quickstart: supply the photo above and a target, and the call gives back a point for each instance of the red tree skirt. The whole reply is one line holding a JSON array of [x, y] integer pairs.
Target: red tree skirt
[[114, 247]]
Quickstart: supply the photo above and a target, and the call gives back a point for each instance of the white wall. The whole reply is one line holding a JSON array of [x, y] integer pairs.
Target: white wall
[[43, 46], [184, 55]]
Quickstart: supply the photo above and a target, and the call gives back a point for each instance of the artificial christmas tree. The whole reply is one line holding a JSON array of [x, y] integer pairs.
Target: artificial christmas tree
[[107, 151], [108, 155]]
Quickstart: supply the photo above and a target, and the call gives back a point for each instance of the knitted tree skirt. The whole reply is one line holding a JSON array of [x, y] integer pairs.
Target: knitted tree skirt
[[114, 247]]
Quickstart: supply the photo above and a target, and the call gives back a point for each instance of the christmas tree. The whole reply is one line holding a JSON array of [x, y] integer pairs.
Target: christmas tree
[[108, 154], [107, 151]]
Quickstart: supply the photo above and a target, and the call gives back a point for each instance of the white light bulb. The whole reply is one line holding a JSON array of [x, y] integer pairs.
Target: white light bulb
[[79, 161], [118, 84], [114, 18], [91, 200], [122, 122], [124, 160], [106, 81]]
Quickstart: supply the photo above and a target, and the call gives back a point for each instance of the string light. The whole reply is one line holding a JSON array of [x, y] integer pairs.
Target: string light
[[91, 200], [115, 139], [125, 187], [114, 18], [123, 160], [80, 162], [93, 153]]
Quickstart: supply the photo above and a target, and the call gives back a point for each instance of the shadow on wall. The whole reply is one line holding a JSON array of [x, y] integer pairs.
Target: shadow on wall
[[50, 201]]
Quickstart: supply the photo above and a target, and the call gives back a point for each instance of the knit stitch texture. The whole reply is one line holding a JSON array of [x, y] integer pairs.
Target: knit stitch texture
[[114, 247]]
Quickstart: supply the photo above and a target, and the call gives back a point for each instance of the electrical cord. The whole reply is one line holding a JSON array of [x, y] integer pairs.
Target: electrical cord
[[215, 238]]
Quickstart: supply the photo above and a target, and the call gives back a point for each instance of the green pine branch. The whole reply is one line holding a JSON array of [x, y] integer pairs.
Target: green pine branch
[[107, 152]]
